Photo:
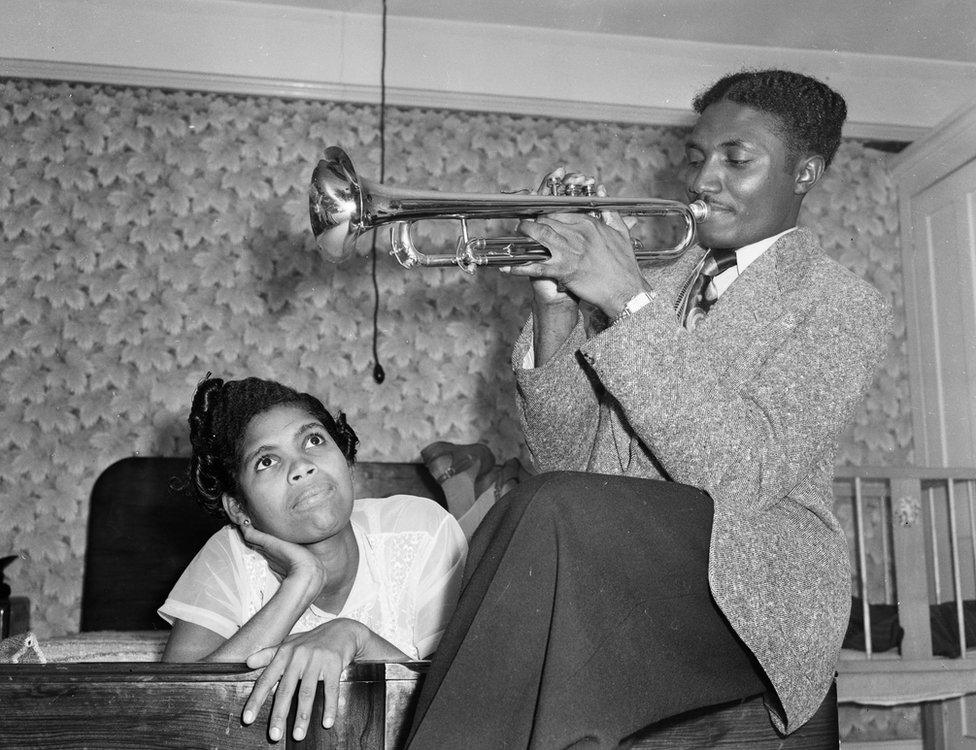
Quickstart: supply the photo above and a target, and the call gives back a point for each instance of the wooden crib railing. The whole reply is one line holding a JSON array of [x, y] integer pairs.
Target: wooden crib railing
[[915, 567]]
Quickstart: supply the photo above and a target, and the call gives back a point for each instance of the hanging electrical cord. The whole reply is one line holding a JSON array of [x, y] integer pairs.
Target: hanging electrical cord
[[379, 375]]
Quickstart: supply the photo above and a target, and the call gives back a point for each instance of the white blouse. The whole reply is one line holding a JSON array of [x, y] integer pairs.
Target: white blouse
[[411, 557]]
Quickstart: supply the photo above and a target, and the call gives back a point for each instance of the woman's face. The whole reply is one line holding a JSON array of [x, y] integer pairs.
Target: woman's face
[[296, 482]]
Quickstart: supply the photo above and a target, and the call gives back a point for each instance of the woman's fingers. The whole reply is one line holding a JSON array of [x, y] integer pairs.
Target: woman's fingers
[[282, 699], [251, 535], [261, 658], [296, 665], [263, 685], [330, 681], [285, 558], [306, 701], [328, 671]]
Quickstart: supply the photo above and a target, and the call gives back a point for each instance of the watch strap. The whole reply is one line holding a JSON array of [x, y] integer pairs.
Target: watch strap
[[635, 303]]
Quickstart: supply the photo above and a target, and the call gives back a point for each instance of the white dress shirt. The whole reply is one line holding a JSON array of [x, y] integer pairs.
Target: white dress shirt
[[743, 257]]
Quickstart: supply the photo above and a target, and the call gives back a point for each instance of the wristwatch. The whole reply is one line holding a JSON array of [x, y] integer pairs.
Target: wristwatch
[[635, 303]]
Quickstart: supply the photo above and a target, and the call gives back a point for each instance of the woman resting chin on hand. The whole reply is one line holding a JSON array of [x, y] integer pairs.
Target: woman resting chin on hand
[[304, 579]]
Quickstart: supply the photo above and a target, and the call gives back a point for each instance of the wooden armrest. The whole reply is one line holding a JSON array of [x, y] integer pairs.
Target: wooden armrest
[[135, 704]]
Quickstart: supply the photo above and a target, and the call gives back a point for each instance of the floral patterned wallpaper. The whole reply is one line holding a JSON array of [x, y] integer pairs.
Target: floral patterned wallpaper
[[148, 237]]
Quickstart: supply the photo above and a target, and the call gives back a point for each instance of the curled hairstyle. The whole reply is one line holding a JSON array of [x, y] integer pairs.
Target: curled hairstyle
[[219, 417], [810, 113]]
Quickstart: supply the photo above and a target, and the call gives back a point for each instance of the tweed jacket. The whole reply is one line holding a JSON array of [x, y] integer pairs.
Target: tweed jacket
[[747, 407]]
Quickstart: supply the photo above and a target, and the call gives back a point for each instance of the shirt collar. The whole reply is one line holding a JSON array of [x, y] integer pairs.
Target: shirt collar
[[743, 257], [747, 254]]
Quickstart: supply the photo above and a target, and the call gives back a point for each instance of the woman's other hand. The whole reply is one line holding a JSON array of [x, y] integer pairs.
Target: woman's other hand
[[302, 661]]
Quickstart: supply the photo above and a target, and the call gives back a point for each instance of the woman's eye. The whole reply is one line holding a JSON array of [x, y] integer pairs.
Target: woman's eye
[[314, 439], [265, 462]]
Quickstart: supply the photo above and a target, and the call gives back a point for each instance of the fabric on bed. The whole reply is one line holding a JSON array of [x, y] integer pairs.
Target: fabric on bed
[[22, 648], [109, 645]]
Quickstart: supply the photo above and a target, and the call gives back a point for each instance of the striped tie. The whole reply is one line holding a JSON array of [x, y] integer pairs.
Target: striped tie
[[698, 294]]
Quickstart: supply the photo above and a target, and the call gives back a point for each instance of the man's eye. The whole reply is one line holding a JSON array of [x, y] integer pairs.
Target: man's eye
[[265, 462], [314, 439]]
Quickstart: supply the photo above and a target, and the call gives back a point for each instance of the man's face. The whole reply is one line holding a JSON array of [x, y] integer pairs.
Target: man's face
[[737, 163]]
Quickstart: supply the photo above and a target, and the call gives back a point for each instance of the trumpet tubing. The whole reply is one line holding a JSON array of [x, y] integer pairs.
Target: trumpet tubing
[[342, 206]]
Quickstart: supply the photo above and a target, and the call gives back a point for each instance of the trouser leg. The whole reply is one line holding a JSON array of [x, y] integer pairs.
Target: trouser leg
[[585, 616]]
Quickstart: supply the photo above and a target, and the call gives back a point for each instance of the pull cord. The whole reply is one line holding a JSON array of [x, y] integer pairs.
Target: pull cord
[[379, 375]]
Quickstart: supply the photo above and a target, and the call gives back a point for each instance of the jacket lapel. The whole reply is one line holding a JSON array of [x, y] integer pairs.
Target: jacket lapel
[[754, 315], [758, 310], [669, 279]]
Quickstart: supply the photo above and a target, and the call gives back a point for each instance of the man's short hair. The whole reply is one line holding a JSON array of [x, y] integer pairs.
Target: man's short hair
[[810, 113]]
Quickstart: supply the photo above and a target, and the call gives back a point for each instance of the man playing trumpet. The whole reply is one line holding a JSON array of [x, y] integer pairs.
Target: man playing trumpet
[[680, 549]]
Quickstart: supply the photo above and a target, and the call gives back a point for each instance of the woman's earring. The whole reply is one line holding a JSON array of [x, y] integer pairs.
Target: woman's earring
[[246, 522]]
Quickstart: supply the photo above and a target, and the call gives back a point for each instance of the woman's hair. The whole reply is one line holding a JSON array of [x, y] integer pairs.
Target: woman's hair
[[809, 112], [219, 416]]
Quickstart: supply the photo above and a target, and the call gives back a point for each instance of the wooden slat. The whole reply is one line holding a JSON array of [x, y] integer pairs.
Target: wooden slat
[[904, 472], [908, 539], [954, 536], [896, 681], [862, 564]]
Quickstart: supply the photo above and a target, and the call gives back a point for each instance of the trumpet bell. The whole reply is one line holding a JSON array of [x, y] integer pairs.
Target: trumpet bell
[[335, 205]]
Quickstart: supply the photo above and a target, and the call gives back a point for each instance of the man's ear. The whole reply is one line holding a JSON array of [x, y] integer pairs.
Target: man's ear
[[233, 509], [809, 170]]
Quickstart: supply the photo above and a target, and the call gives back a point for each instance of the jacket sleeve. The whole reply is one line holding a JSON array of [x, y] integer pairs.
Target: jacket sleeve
[[749, 437], [557, 404]]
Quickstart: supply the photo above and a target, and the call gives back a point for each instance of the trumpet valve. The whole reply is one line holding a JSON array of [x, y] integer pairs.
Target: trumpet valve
[[464, 254]]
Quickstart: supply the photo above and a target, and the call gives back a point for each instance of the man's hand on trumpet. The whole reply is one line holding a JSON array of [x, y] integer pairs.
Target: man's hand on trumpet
[[554, 311], [591, 258]]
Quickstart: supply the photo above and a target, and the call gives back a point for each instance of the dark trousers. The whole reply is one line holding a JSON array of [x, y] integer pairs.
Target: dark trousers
[[585, 616]]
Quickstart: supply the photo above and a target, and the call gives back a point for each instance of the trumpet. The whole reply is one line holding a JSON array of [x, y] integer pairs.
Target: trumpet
[[342, 206]]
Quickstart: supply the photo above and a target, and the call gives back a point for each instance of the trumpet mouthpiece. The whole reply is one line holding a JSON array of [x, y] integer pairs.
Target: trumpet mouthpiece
[[699, 210]]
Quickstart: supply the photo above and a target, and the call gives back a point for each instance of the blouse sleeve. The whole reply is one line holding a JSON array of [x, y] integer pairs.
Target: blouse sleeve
[[209, 593], [439, 584]]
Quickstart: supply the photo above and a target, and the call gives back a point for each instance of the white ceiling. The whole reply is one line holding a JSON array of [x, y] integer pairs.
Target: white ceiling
[[921, 29], [905, 66]]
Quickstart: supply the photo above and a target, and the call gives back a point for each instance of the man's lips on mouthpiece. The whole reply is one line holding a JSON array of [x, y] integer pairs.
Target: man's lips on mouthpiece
[[717, 206]]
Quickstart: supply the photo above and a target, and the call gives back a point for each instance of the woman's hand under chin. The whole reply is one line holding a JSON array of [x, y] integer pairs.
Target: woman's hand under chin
[[288, 560]]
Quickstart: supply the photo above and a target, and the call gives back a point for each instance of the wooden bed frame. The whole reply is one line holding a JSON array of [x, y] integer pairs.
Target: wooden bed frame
[[144, 527], [152, 705]]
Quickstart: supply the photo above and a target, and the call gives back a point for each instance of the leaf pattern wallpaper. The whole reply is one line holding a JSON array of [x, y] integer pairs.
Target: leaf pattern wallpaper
[[149, 236]]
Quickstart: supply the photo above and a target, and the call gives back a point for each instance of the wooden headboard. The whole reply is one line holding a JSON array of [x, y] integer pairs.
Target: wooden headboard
[[144, 526]]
